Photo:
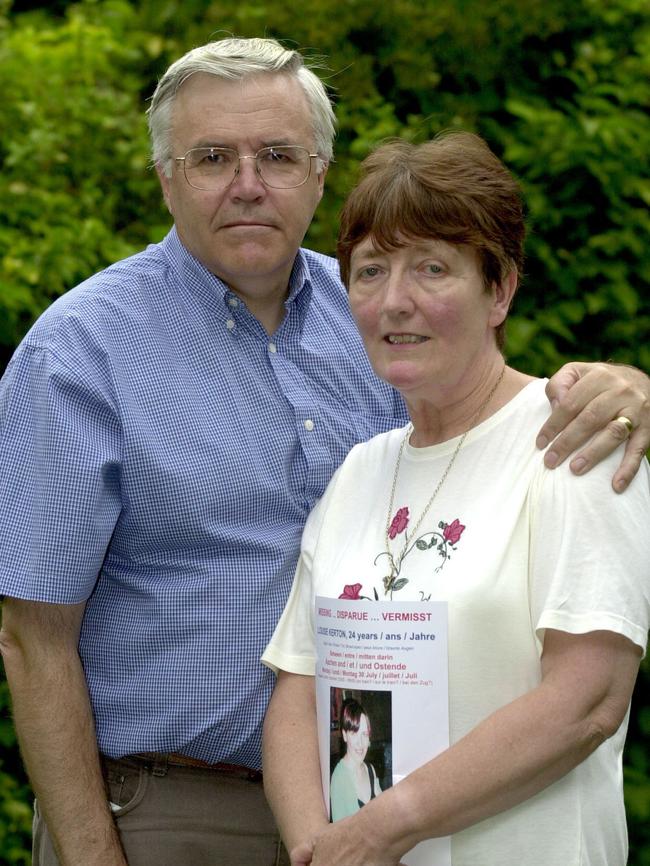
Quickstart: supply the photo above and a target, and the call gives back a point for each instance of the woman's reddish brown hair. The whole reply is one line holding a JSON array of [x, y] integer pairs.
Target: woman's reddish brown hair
[[453, 189]]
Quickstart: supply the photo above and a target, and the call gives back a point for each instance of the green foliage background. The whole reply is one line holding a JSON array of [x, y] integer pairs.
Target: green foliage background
[[559, 88]]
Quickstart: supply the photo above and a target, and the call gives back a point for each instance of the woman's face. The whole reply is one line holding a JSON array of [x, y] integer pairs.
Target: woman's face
[[424, 315], [357, 742]]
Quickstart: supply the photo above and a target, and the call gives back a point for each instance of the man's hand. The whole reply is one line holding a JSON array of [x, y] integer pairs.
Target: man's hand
[[587, 399], [301, 855]]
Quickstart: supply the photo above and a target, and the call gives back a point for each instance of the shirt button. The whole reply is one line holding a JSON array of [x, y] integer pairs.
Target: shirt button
[[230, 324], [233, 302], [273, 348], [309, 424]]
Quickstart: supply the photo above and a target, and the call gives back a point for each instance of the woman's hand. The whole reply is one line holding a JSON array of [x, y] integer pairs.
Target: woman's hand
[[350, 842], [587, 399]]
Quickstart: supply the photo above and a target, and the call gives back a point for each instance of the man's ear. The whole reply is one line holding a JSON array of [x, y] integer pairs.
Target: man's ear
[[504, 292], [165, 183], [321, 179]]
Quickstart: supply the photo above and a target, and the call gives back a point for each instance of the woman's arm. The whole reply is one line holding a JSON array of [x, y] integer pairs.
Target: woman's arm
[[292, 780], [587, 682]]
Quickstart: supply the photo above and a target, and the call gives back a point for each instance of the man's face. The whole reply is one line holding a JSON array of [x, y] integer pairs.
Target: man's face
[[246, 233]]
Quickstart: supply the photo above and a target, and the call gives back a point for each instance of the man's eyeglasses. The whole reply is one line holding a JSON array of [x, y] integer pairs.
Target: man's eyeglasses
[[213, 168]]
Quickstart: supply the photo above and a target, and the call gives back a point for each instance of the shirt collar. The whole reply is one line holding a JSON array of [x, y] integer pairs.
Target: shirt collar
[[300, 280], [192, 274]]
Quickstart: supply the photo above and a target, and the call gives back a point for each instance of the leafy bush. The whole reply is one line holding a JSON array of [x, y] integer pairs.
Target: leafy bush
[[75, 190], [15, 796], [560, 90]]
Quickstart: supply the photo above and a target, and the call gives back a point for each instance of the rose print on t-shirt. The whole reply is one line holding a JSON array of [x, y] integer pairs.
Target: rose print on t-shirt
[[351, 591], [452, 531], [442, 541], [398, 523]]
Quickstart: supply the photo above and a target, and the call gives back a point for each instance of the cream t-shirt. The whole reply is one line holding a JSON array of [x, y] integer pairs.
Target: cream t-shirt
[[514, 549]]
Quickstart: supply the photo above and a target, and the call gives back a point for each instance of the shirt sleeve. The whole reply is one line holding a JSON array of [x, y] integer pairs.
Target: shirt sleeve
[[59, 487], [590, 553]]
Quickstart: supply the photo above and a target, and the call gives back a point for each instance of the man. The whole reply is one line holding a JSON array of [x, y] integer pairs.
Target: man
[[166, 428]]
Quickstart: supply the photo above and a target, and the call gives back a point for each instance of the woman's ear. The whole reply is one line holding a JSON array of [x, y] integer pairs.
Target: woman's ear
[[503, 293]]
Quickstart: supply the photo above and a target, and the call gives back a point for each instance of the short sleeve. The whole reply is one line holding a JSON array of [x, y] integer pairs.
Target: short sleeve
[[59, 486], [590, 553]]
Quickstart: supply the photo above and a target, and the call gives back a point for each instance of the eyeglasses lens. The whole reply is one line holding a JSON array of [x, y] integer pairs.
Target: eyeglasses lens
[[281, 167]]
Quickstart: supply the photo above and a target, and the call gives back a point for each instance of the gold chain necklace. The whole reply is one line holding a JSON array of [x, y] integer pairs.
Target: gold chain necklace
[[395, 564]]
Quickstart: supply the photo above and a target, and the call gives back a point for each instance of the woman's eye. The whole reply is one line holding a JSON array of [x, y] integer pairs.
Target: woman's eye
[[368, 272], [432, 268]]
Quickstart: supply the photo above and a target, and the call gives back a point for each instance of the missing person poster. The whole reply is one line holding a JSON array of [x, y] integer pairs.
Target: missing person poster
[[383, 701]]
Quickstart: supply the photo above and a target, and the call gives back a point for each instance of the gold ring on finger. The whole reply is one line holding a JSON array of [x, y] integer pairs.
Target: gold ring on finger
[[629, 426]]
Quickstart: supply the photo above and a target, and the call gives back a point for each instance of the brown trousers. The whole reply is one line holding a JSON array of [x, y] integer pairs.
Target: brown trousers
[[182, 816]]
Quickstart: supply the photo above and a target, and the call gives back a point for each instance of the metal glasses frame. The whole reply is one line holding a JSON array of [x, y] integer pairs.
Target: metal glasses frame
[[239, 159]]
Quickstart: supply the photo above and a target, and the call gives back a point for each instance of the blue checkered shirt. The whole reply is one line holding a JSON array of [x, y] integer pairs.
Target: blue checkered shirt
[[160, 454]]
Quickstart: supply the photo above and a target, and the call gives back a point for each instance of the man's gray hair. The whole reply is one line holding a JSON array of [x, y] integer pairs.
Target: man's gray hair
[[235, 59]]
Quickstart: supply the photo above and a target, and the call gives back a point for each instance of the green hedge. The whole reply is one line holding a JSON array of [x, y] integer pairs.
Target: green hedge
[[560, 89]]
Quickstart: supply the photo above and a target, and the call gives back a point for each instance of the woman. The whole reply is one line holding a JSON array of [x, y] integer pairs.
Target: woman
[[354, 782], [547, 587]]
